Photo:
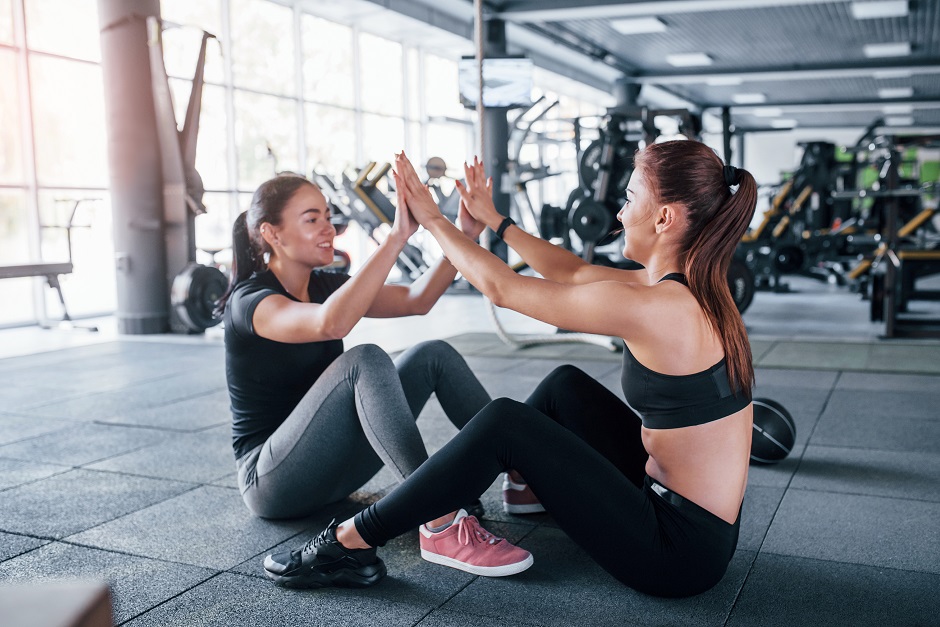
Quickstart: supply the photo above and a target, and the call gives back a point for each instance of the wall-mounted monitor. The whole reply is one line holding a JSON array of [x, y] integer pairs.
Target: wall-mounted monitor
[[507, 82]]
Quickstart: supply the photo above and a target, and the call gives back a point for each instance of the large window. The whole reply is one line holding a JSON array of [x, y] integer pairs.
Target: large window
[[11, 151], [262, 41], [63, 27], [328, 62], [6, 22], [331, 139], [286, 90], [68, 122], [380, 72]]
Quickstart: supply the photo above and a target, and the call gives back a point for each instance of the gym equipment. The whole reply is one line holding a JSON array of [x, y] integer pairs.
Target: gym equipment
[[359, 199], [774, 432], [907, 252], [51, 270], [191, 285]]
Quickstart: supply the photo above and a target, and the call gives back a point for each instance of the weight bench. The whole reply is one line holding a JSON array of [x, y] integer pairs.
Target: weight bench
[[51, 272]]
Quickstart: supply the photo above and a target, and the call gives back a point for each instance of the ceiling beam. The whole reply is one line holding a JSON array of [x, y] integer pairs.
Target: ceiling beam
[[829, 106], [931, 67], [559, 10]]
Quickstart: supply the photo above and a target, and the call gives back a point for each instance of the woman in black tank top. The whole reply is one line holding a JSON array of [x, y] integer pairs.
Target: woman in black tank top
[[575, 445]]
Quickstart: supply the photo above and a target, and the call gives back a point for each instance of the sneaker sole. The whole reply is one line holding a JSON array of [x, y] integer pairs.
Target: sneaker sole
[[530, 508], [345, 578], [485, 571]]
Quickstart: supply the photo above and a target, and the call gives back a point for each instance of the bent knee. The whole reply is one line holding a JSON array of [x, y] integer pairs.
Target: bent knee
[[565, 373]]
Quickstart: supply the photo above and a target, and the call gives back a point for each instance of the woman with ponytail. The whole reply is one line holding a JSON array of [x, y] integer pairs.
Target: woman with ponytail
[[311, 422], [652, 488]]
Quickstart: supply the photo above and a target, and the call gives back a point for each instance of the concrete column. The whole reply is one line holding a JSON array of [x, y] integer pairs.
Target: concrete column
[[496, 131], [134, 163]]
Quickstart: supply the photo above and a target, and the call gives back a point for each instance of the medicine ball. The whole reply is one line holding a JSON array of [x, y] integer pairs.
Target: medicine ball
[[774, 432]]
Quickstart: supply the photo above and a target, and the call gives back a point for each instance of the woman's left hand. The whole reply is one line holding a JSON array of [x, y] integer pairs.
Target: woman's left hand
[[418, 196], [404, 225]]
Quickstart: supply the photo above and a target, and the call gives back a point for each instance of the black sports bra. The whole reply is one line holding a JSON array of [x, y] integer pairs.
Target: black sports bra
[[671, 401]]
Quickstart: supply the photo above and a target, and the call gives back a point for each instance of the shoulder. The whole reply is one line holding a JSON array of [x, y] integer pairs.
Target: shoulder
[[245, 298]]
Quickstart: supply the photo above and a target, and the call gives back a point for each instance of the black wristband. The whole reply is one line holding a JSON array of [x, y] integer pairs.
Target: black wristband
[[505, 224]]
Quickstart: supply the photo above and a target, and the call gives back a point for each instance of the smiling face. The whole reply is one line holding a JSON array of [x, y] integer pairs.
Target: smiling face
[[305, 233]]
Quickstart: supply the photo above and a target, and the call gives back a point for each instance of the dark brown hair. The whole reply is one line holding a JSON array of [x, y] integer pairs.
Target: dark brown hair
[[248, 247], [690, 174]]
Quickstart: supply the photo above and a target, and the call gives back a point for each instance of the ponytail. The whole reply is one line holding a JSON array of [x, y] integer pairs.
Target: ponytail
[[244, 259], [690, 174]]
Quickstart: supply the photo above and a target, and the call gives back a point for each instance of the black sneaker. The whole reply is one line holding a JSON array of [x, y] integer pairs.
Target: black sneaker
[[322, 562]]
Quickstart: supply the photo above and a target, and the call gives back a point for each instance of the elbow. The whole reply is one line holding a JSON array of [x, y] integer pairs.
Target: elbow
[[495, 292], [334, 330]]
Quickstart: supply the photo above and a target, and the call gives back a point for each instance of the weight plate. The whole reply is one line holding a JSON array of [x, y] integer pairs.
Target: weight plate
[[741, 284], [194, 293]]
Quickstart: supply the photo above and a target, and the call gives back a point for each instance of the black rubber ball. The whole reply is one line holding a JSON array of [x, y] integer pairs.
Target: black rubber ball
[[774, 432]]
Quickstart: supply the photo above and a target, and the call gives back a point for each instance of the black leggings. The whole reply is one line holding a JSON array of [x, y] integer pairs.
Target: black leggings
[[578, 446]]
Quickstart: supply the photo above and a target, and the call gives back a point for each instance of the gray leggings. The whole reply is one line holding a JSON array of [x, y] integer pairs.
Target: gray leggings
[[358, 415]]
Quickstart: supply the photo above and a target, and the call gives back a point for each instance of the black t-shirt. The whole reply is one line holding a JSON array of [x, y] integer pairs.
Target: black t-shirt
[[266, 379]]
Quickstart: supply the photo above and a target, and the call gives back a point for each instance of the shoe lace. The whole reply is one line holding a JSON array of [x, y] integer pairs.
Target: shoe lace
[[318, 540], [469, 531]]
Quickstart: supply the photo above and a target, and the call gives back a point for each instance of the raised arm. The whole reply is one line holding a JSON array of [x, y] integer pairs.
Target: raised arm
[[281, 319], [574, 307], [419, 297], [551, 261]]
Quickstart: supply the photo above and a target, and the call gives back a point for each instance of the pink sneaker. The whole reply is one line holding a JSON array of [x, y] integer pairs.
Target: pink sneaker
[[517, 497], [467, 546]]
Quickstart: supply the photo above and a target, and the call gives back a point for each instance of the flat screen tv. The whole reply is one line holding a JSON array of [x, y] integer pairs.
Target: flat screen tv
[[507, 82]]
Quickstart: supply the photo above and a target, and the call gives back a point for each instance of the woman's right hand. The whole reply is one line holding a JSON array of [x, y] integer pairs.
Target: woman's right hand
[[477, 194]]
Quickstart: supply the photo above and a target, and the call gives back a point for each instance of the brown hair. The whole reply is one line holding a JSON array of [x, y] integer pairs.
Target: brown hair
[[690, 174], [248, 247]]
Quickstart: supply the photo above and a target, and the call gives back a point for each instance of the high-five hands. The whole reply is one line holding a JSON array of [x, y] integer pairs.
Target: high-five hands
[[477, 194], [421, 204], [404, 225]]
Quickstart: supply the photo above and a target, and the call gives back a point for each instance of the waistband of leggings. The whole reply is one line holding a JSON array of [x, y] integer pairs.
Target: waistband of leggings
[[680, 502]]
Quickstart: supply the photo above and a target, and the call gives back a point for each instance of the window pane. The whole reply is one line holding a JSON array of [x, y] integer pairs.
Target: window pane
[[263, 122], [331, 140], [263, 46], [212, 141], [441, 95], [6, 21], [66, 27], [380, 74], [181, 45], [449, 142], [11, 151], [413, 65], [214, 229], [15, 294], [382, 137], [91, 286], [69, 131], [328, 61]]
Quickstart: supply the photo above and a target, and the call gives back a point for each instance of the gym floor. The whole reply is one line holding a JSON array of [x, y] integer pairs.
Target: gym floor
[[116, 465]]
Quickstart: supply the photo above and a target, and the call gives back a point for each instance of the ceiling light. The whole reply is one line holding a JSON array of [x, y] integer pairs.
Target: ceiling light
[[768, 112], [886, 74], [718, 81], [897, 109], [688, 59], [639, 25], [895, 92], [749, 98], [783, 123], [881, 8], [906, 120], [877, 51]]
